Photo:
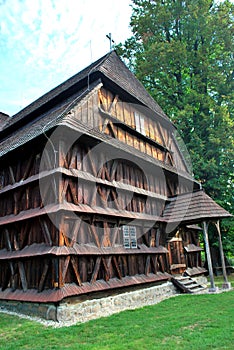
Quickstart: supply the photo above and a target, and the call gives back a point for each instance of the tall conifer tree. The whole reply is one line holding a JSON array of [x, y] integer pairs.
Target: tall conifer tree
[[182, 51]]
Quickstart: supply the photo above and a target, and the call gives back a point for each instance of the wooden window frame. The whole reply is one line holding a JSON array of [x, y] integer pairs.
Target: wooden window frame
[[129, 237]]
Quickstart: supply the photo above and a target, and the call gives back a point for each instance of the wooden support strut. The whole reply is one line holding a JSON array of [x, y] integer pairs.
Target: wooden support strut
[[43, 277], [208, 256], [21, 268], [12, 270], [226, 283]]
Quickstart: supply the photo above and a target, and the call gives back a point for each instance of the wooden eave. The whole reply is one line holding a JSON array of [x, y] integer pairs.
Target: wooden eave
[[69, 290], [79, 209], [111, 142], [62, 118], [83, 176], [41, 249]]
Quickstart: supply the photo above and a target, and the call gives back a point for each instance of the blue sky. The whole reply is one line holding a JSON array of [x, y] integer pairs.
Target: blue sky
[[44, 42]]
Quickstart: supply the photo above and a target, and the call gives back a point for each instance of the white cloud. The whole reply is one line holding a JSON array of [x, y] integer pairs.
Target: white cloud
[[46, 41]]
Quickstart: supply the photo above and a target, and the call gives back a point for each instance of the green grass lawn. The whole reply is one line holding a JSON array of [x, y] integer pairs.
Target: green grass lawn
[[184, 322]]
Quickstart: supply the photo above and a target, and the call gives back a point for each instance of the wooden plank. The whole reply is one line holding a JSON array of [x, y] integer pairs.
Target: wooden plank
[[154, 264], [113, 169], [73, 192], [28, 167], [7, 239], [107, 274], [158, 237], [114, 195], [16, 203], [72, 163], [96, 270], [117, 267], [94, 233], [75, 269], [113, 104], [147, 265], [65, 267], [103, 196], [46, 232], [43, 277], [106, 236], [12, 175], [7, 276], [104, 126], [21, 268], [112, 129], [107, 173], [91, 160], [93, 196], [75, 231]]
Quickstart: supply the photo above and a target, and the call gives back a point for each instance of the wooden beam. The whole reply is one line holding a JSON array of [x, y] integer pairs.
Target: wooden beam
[[113, 169], [96, 270], [12, 175], [94, 233], [21, 267], [93, 167], [43, 277], [65, 267], [208, 255], [115, 234], [28, 167], [75, 231], [46, 232], [147, 265], [107, 274], [106, 121], [73, 193], [106, 237], [117, 267], [113, 104]]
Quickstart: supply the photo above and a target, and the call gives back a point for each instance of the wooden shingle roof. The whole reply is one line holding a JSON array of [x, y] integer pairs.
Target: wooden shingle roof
[[110, 69], [193, 207]]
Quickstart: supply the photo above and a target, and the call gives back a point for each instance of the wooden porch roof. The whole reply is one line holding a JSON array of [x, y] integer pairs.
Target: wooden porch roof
[[192, 208]]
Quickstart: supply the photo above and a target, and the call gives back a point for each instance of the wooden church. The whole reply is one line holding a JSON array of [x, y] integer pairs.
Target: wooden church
[[95, 193]]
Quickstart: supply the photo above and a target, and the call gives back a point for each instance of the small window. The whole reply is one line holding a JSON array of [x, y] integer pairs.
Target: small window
[[129, 237], [140, 123]]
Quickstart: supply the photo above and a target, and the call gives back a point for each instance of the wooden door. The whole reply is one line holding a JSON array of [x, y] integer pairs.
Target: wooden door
[[176, 255]]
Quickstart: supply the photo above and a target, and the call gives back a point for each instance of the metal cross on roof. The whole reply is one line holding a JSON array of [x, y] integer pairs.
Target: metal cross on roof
[[109, 36]]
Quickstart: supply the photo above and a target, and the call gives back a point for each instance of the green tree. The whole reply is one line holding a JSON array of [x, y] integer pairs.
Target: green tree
[[182, 51]]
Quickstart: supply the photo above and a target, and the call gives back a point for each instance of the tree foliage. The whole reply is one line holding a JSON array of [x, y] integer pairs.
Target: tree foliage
[[182, 51]]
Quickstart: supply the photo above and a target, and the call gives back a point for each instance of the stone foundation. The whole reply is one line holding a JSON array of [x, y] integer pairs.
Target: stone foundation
[[95, 308], [73, 311], [45, 311]]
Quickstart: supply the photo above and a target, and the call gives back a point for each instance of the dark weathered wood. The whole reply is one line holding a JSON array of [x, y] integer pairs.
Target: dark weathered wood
[[147, 265], [46, 232], [43, 277], [12, 176], [96, 270], [94, 233], [88, 195], [65, 267], [117, 267]]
